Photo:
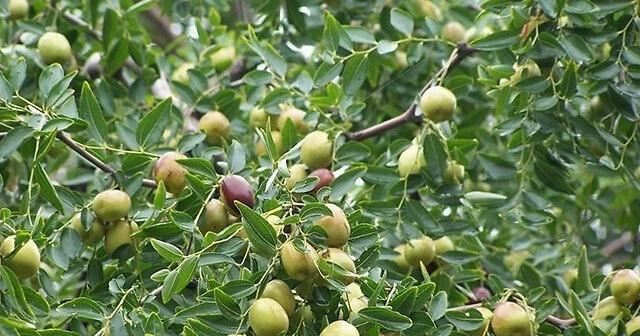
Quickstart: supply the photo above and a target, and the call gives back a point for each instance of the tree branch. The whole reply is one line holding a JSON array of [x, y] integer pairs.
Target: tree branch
[[66, 139], [617, 244], [461, 52]]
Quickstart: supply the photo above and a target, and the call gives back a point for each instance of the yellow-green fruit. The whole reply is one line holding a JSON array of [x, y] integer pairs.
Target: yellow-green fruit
[[607, 307], [454, 173], [400, 259], [633, 325], [443, 245], [570, 276], [223, 58], [353, 291], [438, 104], [18, 9], [261, 149], [529, 69], [89, 237], [316, 150], [421, 250], [268, 318], [258, 118], [400, 60], [296, 116], [111, 205], [279, 291], [54, 48], [170, 172], [411, 160], [118, 234], [216, 126], [428, 9], [356, 300], [297, 264], [473, 33], [275, 222], [297, 173], [340, 328], [181, 74], [453, 31], [625, 286], [510, 319], [24, 263], [340, 258], [216, 216], [336, 226], [484, 329], [514, 259]]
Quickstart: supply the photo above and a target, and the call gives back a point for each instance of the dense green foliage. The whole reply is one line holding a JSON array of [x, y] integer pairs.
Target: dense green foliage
[[196, 111]]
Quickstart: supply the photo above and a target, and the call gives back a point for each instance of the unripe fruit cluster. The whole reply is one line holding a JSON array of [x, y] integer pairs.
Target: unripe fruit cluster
[[111, 208], [421, 251], [625, 291]]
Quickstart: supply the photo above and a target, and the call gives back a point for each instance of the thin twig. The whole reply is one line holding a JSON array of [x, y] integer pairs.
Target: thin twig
[[66, 139], [461, 52]]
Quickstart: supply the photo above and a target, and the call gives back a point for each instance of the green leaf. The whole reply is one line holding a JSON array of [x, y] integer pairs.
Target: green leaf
[[49, 77], [6, 90], [485, 199], [199, 166], [159, 197], [257, 77], [13, 139], [167, 251], [576, 48], [386, 46], [385, 318], [13, 294], [261, 234], [82, 307], [18, 73], [46, 188], [583, 281], [237, 158], [435, 155], [269, 55], [355, 72], [179, 278], [116, 56], [90, 112], [470, 320], [139, 7], [326, 73], [228, 306], [345, 182], [496, 41], [331, 33], [498, 168], [401, 21], [438, 305], [153, 124]]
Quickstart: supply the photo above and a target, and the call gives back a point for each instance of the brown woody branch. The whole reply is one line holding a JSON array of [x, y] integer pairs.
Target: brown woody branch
[[462, 51], [66, 139]]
